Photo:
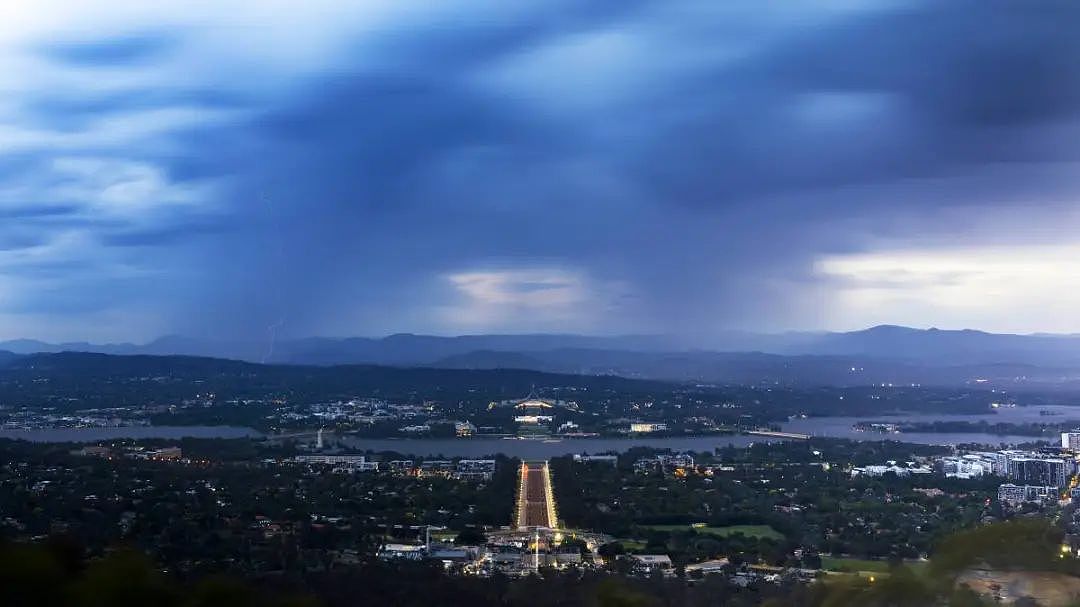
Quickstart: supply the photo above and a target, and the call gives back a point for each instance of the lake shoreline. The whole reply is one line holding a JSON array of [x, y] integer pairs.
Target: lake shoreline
[[816, 427]]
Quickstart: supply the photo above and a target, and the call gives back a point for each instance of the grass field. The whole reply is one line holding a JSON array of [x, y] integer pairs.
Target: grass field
[[757, 531], [833, 563]]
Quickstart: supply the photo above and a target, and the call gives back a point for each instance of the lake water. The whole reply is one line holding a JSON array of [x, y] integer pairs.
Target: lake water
[[839, 427], [86, 435], [537, 449], [836, 427], [843, 427]]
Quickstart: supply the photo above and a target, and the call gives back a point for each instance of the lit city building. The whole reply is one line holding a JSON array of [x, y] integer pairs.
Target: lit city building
[[1070, 440]]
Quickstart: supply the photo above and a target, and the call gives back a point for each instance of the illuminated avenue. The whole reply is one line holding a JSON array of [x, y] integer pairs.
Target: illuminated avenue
[[535, 502]]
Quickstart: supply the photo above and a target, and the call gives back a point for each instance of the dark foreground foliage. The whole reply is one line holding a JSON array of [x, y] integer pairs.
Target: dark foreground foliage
[[56, 573]]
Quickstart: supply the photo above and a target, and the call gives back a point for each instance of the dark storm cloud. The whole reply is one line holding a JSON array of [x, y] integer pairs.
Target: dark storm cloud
[[37, 211], [183, 229], [959, 63], [76, 112], [637, 166], [944, 85], [14, 240], [124, 50], [387, 177]]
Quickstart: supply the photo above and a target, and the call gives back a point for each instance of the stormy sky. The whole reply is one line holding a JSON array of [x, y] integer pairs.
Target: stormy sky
[[235, 169]]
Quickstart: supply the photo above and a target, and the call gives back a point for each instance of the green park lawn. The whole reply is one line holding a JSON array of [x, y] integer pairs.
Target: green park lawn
[[756, 531], [852, 565], [632, 545]]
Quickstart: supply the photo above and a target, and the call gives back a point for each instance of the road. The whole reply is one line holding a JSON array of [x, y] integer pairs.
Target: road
[[536, 505]]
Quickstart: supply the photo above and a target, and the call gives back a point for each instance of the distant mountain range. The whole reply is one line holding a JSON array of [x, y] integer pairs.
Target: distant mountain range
[[91, 380], [399, 349], [879, 354]]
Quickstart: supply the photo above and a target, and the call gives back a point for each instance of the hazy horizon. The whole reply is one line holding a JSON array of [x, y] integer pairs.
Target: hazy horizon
[[689, 341]]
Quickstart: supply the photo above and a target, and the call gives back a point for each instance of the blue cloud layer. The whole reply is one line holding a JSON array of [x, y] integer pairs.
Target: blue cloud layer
[[671, 167]]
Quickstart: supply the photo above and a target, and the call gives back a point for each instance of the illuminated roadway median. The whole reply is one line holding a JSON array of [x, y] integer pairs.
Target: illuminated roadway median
[[536, 502]]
